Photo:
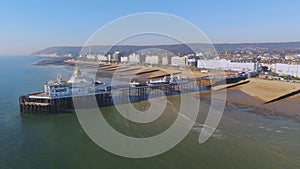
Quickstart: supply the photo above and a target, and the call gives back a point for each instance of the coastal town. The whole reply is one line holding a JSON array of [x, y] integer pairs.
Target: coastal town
[[278, 60], [277, 64], [268, 81]]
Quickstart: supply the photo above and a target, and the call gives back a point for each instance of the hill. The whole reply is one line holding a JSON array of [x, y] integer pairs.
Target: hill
[[175, 48]]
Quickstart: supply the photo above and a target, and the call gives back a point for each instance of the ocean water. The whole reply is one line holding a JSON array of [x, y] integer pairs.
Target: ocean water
[[243, 140]]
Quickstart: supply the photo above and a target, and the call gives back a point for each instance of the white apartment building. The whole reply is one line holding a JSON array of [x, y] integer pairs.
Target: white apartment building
[[178, 61], [124, 59], [91, 56], [134, 58], [213, 64], [289, 69], [101, 57], [151, 59], [224, 64], [165, 60]]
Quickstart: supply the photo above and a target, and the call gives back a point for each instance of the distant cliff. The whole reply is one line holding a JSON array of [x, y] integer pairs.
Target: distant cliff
[[59, 51], [123, 49]]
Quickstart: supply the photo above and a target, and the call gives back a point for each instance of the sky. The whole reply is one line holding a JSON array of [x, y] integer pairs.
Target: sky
[[29, 25]]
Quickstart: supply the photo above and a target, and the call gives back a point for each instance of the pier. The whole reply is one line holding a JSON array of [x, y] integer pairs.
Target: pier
[[38, 104], [60, 96]]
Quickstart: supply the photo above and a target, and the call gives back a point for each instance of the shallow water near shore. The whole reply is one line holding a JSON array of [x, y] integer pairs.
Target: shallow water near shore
[[242, 140]]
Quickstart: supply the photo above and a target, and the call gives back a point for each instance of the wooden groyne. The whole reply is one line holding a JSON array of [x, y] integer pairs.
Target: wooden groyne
[[233, 85], [283, 96]]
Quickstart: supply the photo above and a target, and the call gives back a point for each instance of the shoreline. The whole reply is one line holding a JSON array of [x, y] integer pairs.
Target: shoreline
[[241, 99]]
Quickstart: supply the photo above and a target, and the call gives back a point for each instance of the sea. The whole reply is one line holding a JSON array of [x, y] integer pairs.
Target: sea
[[244, 139]]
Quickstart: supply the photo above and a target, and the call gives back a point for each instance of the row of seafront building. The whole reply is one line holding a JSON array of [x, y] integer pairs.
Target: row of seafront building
[[221, 64], [188, 60], [278, 68], [283, 68]]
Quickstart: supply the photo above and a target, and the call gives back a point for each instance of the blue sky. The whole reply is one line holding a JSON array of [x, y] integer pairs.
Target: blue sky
[[26, 26]]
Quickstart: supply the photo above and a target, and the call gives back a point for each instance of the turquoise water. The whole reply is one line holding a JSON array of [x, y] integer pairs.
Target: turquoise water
[[243, 139]]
